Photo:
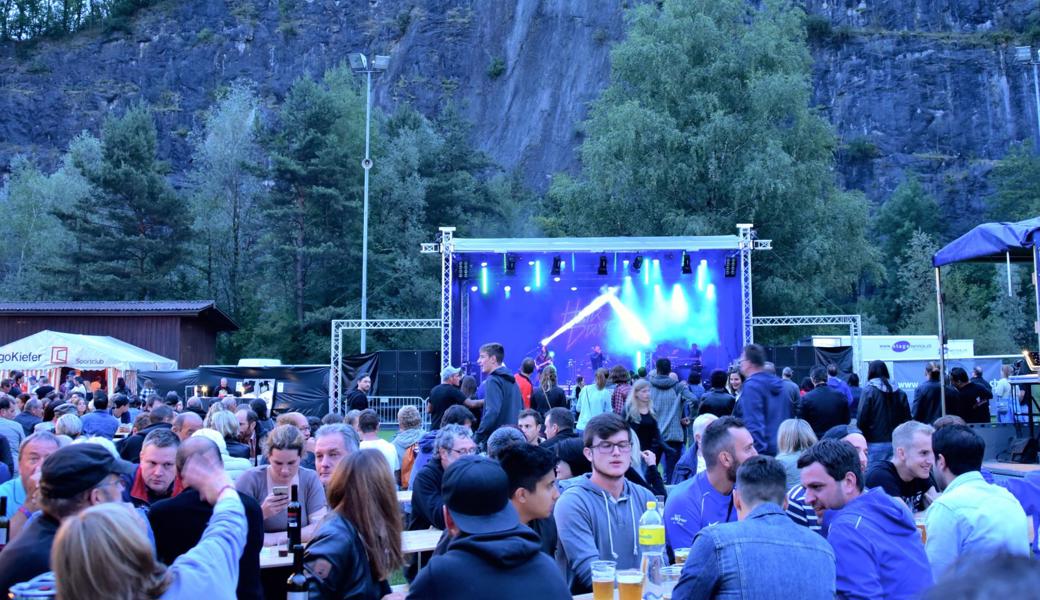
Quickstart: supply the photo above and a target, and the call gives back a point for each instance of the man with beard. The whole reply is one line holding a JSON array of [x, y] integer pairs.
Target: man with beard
[[707, 498]]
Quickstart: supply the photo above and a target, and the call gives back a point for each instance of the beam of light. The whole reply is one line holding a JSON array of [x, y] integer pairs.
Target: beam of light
[[702, 275], [711, 291], [509, 290], [639, 359], [537, 273], [646, 273], [583, 313], [484, 279], [633, 326], [680, 307]]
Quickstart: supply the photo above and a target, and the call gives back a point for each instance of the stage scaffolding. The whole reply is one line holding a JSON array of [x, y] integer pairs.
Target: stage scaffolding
[[853, 321]]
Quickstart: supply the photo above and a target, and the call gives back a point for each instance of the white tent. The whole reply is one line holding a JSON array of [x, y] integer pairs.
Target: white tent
[[47, 352]]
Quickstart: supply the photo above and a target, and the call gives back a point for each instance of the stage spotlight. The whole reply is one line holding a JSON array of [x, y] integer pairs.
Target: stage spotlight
[[510, 264], [557, 262], [473, 288], [527, 288], [637, 262], [556, 279], [463, 270], [731, 265], [602, 265], [686, 268]]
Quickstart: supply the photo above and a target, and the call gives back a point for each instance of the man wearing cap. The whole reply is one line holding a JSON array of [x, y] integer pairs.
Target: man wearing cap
[[491, 555], [71, 479], [445, 395]]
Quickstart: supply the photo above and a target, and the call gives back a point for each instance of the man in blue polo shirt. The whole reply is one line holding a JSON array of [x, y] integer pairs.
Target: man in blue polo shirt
[[707, 499]]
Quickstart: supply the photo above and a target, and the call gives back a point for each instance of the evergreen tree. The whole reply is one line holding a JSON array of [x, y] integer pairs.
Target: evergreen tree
[[706, 124], [1017, 179], [128, 233]]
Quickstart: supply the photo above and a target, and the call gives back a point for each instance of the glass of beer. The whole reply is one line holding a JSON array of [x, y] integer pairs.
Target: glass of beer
[[669, 578], [630, 584], [681, 554], [603, 579]]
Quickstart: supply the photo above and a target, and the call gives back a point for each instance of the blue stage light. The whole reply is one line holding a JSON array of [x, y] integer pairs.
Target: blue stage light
[[527, 288], [473, 289], [556, 279], [537, 273], [711, 291], [680, 307], [483, 278]]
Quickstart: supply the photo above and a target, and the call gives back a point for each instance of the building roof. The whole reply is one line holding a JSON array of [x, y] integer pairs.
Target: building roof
[[204, 309]]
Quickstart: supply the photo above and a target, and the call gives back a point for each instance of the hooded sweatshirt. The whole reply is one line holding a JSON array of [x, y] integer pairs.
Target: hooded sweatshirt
[[763, 405], [404, 440], [878, 549], [502, 403], [423, 456], [593, 525], [665, 398], [505, 565]]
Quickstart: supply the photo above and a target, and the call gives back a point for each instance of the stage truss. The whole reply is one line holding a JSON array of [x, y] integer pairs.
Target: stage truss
[[853, 321]]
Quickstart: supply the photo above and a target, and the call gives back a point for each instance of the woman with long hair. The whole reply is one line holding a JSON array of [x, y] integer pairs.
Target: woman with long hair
[[549, 394], [129, 570], [639, 413], [734, 383], [594, 399], [620, 377], [882, 408], [793, 436], [358, 544]]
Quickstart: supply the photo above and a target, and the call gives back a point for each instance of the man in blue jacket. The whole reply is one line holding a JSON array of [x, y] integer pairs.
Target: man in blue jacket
[[763, 403], [754, 558], [877, 546]]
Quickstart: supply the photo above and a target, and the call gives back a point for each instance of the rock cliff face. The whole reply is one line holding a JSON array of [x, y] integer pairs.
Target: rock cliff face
[[927, 85]]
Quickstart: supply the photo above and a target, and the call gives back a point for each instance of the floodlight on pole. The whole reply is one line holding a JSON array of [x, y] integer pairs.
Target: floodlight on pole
[[1028, 55], [359, 63]]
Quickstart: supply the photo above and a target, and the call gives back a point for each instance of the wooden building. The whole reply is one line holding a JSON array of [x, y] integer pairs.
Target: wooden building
[[185, 331]]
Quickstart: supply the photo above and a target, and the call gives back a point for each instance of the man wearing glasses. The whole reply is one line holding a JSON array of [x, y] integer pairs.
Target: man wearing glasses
[[598, 518], [452, 443]]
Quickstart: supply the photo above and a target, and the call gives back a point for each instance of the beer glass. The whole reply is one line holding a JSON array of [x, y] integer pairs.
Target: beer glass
[[603, 579], [630, 584], [669, 577], [681, 554]]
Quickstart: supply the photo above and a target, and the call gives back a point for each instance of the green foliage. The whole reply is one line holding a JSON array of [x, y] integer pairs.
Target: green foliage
[[1017, 179], [861, 149], [496, 68], [706, 124], [818, 29], [128, 233], [26, 20]]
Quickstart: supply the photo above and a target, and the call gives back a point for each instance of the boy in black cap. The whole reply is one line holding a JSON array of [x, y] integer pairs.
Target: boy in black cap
[[71, 479], [491, 556]]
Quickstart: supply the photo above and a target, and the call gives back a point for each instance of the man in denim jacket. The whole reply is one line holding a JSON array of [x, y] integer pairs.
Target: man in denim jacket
[[753, 557]]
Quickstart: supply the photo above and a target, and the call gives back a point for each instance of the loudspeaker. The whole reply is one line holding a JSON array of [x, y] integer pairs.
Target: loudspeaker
[[407, 361], [430, 361], [386, 383], [388, 361], [408, 385]]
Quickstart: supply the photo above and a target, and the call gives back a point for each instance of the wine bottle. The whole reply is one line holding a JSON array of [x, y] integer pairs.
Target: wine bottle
[[296, 586]]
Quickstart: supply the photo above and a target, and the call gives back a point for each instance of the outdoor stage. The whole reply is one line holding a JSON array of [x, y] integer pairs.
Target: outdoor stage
[[636, 298]]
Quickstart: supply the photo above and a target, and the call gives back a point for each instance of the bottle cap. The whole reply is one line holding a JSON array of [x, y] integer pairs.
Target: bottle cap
[[651, 505]]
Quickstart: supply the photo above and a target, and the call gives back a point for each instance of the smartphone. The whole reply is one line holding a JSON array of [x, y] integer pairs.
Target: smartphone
[[280, 490]]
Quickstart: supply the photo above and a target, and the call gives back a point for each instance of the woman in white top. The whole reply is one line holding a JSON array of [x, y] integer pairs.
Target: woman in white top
[[1003, 397], [594, 399]]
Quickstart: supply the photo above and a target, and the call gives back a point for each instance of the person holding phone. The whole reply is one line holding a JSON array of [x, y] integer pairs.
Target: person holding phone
[[269, 485]]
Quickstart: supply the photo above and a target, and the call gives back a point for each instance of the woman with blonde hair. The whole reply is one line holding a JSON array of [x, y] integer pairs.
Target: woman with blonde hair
[[639, 413], [358, 544], [594, 399], [793, 436], [129, 570], [549, 394]]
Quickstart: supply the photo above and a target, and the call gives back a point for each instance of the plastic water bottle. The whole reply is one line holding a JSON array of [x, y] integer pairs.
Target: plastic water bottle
[[652, 551]]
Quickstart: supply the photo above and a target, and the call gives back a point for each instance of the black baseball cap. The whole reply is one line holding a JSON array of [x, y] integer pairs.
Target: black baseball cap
[[476, 492], [77, 468]]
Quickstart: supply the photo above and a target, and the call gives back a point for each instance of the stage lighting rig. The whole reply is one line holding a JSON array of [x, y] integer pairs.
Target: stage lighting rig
[[463, 270], [510, 264], [731, 265], [686, 268], [602, 265], [637, 262], [556, 266]]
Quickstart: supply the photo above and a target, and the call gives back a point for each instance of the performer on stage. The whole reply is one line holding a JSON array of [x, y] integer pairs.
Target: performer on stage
[[596, 359], [542, 359]]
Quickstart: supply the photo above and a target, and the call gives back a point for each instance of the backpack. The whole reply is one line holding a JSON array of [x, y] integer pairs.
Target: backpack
[[407, 462]]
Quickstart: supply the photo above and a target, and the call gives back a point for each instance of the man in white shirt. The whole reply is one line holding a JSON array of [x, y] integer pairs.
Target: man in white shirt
[[972, 519], [368, 423]]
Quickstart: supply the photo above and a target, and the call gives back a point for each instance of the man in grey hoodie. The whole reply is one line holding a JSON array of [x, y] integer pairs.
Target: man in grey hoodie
[[502, 400], [667, 403], [598, 518]]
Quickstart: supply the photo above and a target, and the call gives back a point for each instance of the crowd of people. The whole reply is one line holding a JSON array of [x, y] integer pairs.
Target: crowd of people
[[146, 496]]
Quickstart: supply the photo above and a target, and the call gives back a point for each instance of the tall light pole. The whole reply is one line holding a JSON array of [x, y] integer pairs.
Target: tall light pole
[[359, 63], [1028, 55]]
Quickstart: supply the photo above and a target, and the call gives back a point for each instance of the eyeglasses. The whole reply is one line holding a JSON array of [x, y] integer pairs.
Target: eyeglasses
[[608, 447], [464, 451]]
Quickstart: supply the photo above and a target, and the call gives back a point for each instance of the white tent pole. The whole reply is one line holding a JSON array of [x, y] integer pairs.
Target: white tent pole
[[1008, 255], [942, 340]]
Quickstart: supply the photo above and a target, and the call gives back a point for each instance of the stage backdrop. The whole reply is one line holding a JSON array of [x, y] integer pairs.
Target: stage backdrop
[[633, 315]]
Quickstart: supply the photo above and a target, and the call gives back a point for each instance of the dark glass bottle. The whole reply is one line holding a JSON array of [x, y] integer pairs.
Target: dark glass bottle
[[296, 587]]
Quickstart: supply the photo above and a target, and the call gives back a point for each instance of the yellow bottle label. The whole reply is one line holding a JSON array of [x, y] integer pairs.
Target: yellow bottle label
[[651, 535]]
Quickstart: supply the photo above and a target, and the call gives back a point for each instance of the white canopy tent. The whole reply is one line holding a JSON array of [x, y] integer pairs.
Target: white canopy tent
[[48, 352]]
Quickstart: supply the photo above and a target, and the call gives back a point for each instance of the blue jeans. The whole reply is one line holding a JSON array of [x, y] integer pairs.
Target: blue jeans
[[878, 452], [672, 453]]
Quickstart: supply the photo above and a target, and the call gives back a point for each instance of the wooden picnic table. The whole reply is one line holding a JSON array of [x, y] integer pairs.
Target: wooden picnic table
[[1010, 469], [411, 543]]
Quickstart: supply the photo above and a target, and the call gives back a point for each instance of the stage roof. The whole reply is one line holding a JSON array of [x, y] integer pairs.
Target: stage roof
[[597, 244]]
